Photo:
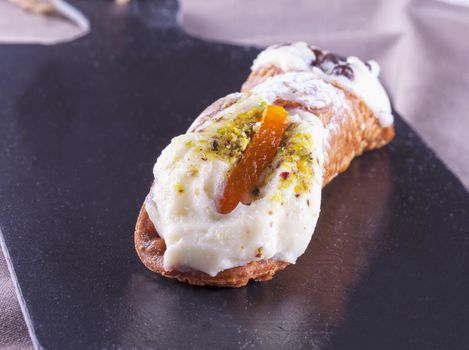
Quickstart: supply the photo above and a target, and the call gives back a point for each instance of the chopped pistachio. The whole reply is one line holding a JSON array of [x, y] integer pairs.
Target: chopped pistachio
[[232, 138], [260, 252], [244, 143], [179, 187], [277, 197], [297, 154]]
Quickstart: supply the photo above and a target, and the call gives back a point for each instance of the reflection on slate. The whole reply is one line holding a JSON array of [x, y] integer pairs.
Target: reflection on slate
[[308, 299], [81, 126]]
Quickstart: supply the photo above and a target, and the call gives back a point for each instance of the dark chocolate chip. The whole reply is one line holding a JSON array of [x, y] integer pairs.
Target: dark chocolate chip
[[329, 57], [318, 54], [343, 69]]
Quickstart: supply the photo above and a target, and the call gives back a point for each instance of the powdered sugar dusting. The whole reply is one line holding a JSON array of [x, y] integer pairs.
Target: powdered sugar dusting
[[353, 74], [301, 87], [313, 93]]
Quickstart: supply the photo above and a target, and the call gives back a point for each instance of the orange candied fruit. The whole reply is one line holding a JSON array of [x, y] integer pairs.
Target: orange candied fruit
[[260, 152]]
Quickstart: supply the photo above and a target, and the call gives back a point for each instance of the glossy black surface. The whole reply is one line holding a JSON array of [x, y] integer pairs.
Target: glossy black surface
[[81, 125]]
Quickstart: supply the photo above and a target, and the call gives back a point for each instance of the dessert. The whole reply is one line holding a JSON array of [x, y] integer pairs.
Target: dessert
[[238, 196]]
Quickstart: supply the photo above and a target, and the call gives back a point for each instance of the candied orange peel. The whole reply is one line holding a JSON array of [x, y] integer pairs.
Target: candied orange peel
[[259, 154]]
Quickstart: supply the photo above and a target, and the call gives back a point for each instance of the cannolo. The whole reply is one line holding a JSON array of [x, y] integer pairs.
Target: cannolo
[[238, 196]]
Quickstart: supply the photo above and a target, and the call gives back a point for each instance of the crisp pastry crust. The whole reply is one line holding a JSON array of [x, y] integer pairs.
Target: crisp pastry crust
[[354, 133], [351, 131], [151, 247]]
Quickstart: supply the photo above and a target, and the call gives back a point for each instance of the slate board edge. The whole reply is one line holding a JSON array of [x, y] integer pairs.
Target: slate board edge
[[19, 294]]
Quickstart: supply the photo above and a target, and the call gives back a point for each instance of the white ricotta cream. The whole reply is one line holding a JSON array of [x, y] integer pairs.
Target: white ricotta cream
[[363, 81], [278, 225], [305, 88], [190, 172], [295, 56]]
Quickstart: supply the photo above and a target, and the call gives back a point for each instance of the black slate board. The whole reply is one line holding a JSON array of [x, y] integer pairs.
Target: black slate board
[[81, 125]]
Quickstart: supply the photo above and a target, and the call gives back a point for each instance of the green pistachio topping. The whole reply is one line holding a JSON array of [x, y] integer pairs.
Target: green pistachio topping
[[231, 136], [296, 162]]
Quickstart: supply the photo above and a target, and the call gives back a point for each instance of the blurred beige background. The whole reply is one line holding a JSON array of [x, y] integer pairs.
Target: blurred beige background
[[421, 46]]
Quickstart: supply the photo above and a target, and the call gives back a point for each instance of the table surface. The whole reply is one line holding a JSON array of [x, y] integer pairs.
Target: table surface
[[81, 126]]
